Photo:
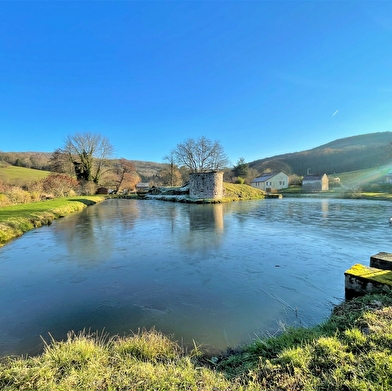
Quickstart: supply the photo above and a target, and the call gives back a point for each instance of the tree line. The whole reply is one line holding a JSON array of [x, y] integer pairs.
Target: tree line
[[85, 161]]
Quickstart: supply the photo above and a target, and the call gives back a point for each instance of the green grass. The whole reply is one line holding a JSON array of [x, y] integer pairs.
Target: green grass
[[237, 192], [21, 175], [352, 350], [361, 178], [18, 219]]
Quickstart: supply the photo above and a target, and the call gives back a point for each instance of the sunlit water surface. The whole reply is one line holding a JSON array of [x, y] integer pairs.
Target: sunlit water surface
[[220, 275]]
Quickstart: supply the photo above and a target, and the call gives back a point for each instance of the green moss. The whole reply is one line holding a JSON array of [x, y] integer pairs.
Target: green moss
[[372, 274]]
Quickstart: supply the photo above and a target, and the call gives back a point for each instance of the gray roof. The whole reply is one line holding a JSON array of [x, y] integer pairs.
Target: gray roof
[[314, 177], [265, 177]]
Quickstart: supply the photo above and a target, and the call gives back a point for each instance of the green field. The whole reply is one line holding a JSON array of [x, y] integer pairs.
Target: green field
[[362, 177], [21, 175]]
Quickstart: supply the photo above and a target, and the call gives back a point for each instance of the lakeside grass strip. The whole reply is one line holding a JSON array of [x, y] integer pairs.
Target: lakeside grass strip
[[350, 351], [17, 219]]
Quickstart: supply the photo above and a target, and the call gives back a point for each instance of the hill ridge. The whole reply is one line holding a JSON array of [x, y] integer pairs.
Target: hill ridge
[[341, 155]]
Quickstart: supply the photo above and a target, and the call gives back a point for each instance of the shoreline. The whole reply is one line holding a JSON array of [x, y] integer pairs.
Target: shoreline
[[15, 220], [350, 350]]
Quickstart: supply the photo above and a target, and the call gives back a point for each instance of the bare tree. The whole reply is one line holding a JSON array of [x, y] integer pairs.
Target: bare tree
[[252, 174], [201, 155], [125, 175], [170, 174], [89, 154]]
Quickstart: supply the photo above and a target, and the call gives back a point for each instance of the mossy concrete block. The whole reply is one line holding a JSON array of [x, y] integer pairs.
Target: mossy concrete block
[[381, 260], [363, 279]]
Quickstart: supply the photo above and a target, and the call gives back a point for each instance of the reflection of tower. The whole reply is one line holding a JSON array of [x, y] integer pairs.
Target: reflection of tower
[[218, 215], [205, 226], [206, 217]]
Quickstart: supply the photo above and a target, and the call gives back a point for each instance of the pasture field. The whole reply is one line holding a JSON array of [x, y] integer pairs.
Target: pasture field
[[359, 178], [20, 176]]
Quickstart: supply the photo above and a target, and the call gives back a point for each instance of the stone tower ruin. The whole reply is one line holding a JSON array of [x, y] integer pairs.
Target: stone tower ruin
[[206, 185]]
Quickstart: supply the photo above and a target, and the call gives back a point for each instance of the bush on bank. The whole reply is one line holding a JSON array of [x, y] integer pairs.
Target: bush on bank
[[350, 351]]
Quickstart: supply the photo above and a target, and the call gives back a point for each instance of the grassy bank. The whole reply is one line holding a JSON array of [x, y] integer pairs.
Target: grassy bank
[[351, 351], [296, 191], [232, 192], [18, 219], [237, 192]]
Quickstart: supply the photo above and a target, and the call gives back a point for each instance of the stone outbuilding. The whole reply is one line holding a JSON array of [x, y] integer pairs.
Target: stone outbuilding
[[206, 185], [102, 190], [315, 182]]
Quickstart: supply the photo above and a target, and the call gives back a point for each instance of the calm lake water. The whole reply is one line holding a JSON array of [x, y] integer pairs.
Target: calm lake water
[[217, 274]]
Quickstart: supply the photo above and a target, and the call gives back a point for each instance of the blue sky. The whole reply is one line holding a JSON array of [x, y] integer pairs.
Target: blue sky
[[261, 77]]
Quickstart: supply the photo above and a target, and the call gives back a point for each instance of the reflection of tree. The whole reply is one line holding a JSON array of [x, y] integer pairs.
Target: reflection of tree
[[90, 236]]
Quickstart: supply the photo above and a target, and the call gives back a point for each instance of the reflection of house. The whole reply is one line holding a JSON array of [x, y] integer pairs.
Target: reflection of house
[[315, 183], [271, 181]]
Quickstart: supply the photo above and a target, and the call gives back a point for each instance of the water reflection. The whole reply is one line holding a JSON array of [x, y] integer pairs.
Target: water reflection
[[206, 228], [90, 236], [218, 274]]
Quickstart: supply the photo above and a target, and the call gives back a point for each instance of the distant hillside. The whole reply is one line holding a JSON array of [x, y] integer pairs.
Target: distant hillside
[[346, 154], [342, 155], [147, 170], [40, 161]]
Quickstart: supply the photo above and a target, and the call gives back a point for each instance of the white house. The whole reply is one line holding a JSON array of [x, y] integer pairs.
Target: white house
[[271, 181]]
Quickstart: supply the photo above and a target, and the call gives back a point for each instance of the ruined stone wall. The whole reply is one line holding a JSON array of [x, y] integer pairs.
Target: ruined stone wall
[[206, 185]]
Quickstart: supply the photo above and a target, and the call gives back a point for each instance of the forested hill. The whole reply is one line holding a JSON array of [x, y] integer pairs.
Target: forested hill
[[342, 155]]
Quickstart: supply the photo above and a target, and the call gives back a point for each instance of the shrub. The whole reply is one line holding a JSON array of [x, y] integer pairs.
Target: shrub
[[4, 200], [60, 185], [17, 195], [87, 188]]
